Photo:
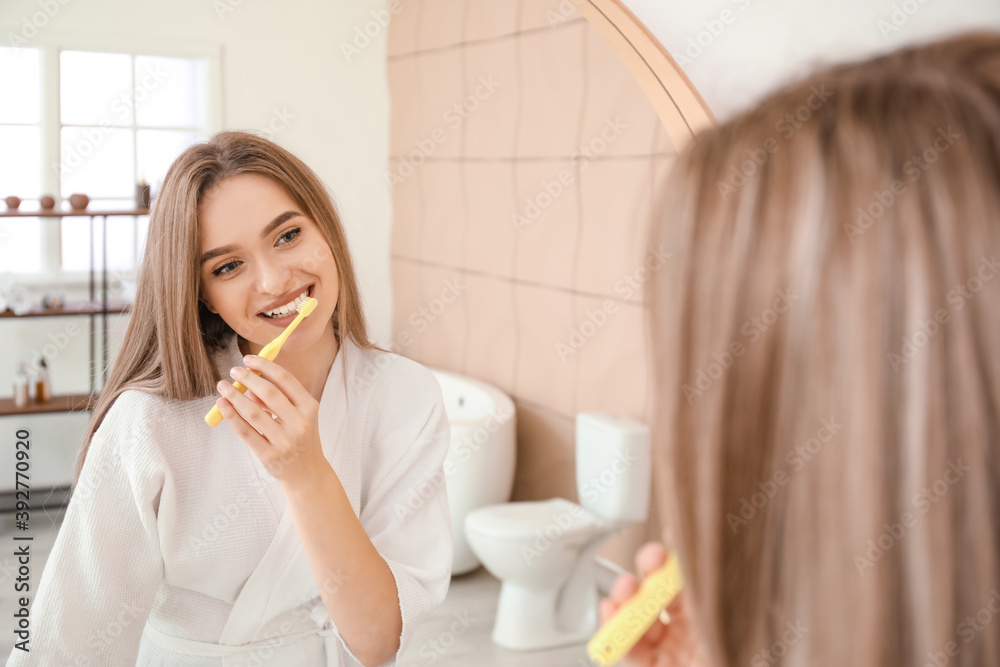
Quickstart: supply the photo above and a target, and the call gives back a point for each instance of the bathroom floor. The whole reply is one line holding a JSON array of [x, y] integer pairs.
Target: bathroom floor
[[472, 601], [456, 633]]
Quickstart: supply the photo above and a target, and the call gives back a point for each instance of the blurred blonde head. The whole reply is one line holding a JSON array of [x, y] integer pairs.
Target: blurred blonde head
[[827, 345]]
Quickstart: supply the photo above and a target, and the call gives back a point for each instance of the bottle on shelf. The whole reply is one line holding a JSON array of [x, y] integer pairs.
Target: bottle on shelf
[[21, 386], [142, 194], [42, 388]]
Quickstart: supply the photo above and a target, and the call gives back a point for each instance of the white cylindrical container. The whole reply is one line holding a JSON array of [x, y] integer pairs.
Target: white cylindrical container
[[20, 386]]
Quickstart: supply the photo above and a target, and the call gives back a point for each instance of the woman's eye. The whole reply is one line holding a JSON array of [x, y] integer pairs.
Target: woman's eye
[[289, 236], [219, 271], [293, 232]]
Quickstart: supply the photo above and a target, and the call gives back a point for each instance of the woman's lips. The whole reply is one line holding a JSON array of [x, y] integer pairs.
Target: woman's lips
[[287, 319], [308, 293]]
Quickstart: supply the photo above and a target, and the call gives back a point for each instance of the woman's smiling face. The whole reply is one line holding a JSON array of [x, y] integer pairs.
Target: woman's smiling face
[[259, 252]]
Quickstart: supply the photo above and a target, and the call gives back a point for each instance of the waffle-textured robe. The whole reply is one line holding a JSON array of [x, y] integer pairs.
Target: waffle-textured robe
[[176, 547]]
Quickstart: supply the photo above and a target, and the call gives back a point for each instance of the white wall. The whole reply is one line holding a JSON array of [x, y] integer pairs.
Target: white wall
[[757, 45], [276, 57]]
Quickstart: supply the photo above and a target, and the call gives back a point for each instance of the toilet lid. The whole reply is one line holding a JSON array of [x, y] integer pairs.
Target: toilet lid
[[508, 520]]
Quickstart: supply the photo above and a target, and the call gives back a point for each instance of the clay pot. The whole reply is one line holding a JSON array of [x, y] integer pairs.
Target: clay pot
[[79, 200], [47, 202], [13, 203]]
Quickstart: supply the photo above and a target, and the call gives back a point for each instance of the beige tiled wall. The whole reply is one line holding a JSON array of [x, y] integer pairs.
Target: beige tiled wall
[[555, 86]]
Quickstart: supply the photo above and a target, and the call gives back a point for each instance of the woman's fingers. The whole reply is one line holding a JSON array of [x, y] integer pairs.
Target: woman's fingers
[[259, 403], [624, 587], [607, 609], [249, 394], [650, 557]]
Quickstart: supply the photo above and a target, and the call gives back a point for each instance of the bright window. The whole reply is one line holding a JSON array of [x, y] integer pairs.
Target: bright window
[[119, 117]]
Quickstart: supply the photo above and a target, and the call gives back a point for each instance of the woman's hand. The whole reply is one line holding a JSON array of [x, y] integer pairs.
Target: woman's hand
[[277, 418], [664, 645]]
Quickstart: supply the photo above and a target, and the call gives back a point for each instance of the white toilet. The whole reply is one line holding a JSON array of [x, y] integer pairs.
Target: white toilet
[[543, 552]]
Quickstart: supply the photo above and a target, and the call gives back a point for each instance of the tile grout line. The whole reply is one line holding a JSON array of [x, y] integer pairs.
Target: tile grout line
[[421, 204], [514, 186], [465, 191], [584, 89], [486, 40], [517, 281], [537, 158]]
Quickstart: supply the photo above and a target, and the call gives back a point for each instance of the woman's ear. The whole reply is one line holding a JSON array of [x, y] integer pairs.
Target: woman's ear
[[209, 306]]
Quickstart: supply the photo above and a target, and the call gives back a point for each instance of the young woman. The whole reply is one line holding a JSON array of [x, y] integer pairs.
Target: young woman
[[835, 490], [308, 528]]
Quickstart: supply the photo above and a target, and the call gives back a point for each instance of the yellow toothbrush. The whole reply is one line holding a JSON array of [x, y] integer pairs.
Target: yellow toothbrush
[[270, 351], [634, 618]]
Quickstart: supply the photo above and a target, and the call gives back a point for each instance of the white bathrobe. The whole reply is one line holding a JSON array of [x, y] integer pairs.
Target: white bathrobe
[[177, 548]]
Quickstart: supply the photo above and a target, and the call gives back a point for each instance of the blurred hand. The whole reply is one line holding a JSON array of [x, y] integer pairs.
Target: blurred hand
[[664, 645]]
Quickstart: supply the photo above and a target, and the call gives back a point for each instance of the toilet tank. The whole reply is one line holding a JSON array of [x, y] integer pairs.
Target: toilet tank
[[613, 466]]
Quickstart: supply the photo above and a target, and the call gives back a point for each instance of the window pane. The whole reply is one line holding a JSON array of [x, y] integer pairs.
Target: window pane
[[20, 244], [169, 92], [159, 148], [20, 73], [75, 233], [98, 161], [121, 238], [95, 88], [141, 232], [20, 161]]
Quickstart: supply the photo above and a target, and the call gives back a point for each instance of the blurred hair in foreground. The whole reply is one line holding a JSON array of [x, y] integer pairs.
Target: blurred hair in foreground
[[827, 348]]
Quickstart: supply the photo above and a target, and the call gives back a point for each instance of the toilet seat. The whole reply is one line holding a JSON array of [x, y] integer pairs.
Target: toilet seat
[[517, 520]]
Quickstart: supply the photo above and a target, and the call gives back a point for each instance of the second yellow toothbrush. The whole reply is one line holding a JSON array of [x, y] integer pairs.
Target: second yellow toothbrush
[[635, 617], [270, 351]]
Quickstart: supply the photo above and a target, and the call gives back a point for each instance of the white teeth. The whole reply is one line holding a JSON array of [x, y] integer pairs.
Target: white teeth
[[289, 307]]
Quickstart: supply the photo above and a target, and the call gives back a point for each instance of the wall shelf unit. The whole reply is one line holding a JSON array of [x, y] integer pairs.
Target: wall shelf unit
[[93, 307]]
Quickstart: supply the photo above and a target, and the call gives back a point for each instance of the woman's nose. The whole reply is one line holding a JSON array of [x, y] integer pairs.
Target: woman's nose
[[273, 277]]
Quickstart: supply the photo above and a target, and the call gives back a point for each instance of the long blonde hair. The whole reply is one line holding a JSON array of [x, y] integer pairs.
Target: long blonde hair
[[156, 355], [827, 349]]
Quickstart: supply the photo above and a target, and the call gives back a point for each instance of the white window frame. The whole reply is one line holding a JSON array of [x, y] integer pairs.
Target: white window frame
[[51, 42]]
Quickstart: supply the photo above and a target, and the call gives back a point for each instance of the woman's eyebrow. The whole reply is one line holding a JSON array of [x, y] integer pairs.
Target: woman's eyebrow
[[284, 217]]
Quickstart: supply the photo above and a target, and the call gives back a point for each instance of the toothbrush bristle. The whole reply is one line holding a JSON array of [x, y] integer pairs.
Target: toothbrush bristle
[[308, 306]]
